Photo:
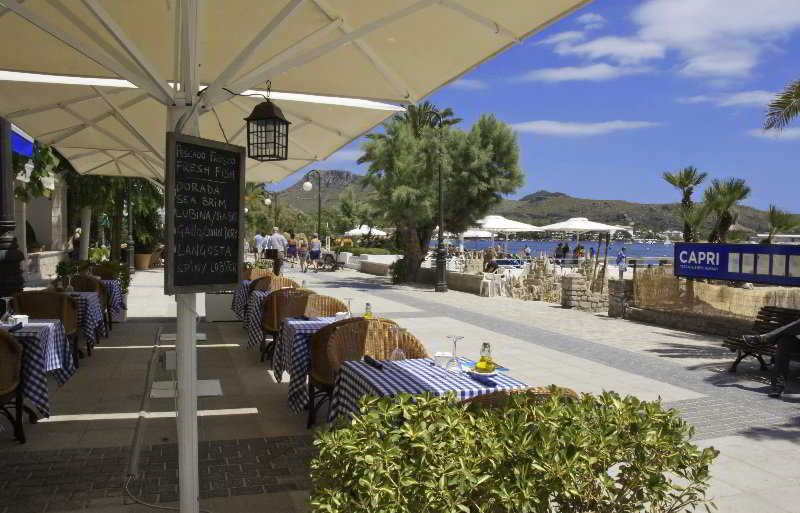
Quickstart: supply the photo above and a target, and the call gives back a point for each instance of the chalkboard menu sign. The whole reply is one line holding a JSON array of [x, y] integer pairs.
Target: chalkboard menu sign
[[204, 215]]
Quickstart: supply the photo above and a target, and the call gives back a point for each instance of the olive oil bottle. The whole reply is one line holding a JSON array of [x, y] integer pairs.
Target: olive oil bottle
[[485, 364]]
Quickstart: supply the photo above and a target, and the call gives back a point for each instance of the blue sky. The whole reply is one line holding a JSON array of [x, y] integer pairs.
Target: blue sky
[[608, 98]]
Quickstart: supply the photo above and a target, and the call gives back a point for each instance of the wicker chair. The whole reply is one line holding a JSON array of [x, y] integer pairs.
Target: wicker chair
[[501, 398], [280, 304], [280, 282], [83, 283], [104, 272], [323, 306], [11, 382], [48, 304], [348, 339], [255, 274]]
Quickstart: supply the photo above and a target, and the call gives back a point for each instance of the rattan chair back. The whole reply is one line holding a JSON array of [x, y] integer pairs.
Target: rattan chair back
[[104, 272], [255, 274], [501, 398], [404, 340], [282, 304], [83, 283], [324, 306], [348, 339], [48, 304], [261, 283], [281, 282], [10, 363]]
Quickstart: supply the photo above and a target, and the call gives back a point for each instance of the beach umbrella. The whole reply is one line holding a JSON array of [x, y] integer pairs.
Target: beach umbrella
[[581, 225], [477, 234], [501, 224], [365, 230]]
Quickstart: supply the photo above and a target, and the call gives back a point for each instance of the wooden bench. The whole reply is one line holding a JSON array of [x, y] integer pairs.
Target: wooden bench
[[768, 319]]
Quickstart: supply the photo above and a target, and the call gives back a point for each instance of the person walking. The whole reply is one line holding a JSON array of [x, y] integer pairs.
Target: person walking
[[787, 345], [622, 263], [302, 254], [291, 251], [527, 251], [279, 243], [259, 244], [315, 251]]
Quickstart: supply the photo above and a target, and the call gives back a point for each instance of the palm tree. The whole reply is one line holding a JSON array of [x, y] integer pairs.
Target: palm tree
[[779, 221], [721, 197], [426, 114], [784, 108], [686, 180], [693, 217]]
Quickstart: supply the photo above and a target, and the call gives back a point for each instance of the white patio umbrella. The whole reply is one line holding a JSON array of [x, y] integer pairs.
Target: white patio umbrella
[[365, 230], [477, 234], [169, 49], [581, 225], [501, 224]]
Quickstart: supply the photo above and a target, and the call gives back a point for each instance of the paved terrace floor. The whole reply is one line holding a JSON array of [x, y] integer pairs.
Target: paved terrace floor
[[254, 454]]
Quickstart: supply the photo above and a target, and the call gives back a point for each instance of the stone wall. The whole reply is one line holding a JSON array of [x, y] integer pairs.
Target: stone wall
[[376, 268], [575, 293], [620, 295], [462, 282], [42, 266], [681, 320]]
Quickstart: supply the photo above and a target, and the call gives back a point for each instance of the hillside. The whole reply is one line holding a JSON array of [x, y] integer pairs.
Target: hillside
[[539, 208]]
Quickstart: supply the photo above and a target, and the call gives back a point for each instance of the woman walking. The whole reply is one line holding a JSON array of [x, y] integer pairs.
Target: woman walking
[[315, 251]]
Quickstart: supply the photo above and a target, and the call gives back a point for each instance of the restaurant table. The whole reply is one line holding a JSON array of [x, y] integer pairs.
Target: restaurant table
[[90, 316], [357, 379], [239, 303], [293, 354], [45, 351], [114, 288], [252, 320]]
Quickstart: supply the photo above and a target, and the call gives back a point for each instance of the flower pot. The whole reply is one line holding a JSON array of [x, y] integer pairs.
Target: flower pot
[[141, 261]]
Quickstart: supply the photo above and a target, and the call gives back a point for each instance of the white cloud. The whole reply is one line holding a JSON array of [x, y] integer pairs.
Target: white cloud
[[563, 37], [756, 98], [576, 129], [592, 72], [782, 135], [621, 49], [469, 84], [591, 20], [717, 38]]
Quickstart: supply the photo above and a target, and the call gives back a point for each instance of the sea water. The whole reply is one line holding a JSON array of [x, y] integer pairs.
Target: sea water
[[632, 250]]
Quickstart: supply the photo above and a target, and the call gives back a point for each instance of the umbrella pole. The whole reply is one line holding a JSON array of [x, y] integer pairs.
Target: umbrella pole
[[597, 254], [605, 264]]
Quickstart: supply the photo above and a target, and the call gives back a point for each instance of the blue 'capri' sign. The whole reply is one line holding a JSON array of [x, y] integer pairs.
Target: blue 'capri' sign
[[778, 264]]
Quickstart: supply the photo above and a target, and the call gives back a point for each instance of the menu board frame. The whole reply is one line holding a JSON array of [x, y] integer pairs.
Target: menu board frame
[[169, 273]]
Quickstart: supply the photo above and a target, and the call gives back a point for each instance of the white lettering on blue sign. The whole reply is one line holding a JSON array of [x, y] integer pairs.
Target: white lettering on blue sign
[[699, 257]]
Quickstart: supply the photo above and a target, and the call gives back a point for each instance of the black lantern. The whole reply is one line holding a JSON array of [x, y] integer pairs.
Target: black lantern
[[267, 133]]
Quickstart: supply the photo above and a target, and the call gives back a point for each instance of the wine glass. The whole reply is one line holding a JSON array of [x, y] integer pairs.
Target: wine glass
[[69, 288], [7, 312], [349, 310], [397, 333], [454, 364]]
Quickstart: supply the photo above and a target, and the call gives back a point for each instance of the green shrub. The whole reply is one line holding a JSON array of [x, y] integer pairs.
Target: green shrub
[[99, 254], [358, 251], [422, 454], [398, 271], [70, 267]]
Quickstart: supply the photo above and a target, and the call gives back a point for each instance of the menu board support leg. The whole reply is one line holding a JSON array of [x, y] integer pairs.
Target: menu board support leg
[[186, 347]]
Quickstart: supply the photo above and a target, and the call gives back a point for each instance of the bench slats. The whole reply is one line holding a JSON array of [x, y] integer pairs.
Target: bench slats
[[768, 319]]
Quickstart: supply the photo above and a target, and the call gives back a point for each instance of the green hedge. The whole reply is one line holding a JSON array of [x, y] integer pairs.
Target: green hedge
[[358, 251], [422, 454]]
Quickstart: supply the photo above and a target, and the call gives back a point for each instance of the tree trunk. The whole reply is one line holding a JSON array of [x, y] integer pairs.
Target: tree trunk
[[687, 228], [116, 229], [101, 231], [86, 232], [21, 214], [414, 251]]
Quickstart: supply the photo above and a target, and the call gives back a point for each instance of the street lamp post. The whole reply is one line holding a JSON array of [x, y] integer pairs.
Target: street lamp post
[[441, 255], [307, 186], [131, 248], [273, 203]]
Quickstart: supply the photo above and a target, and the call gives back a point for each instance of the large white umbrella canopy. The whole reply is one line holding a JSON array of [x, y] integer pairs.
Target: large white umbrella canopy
[[399, 51], [495, 223], [365, 230], [580, 225], [477, 234]]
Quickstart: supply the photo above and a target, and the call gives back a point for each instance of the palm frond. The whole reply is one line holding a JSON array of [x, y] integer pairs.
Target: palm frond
[[784, 108]]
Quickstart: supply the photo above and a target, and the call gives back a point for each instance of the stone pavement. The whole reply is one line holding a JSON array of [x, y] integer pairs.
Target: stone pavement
[[255, 453]]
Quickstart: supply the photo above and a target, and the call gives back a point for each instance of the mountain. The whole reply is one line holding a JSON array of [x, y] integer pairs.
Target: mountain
[[544, 207], [334, 183], [539, 208]]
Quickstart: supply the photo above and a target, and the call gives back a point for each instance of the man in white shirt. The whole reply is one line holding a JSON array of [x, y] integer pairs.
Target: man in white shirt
[[259, 244], [279, 243]]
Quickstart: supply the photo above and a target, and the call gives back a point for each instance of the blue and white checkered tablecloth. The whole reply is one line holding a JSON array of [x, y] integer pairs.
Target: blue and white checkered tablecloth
[[114, 288], [357, 379], [90, 316], [239, 303], [45, 351], [252, 320], [293, 354]]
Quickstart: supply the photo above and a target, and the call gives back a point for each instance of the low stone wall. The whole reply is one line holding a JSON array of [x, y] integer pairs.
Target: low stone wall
[[463, 282], [376, 268], [681, 320], [42, 265], [620, 295], [575, 293]]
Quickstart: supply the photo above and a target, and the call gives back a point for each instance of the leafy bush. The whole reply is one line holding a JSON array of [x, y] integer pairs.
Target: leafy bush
[[398, 271], [422, 454], [99, 254], [122, 272], [118, 269], [358, 251]]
